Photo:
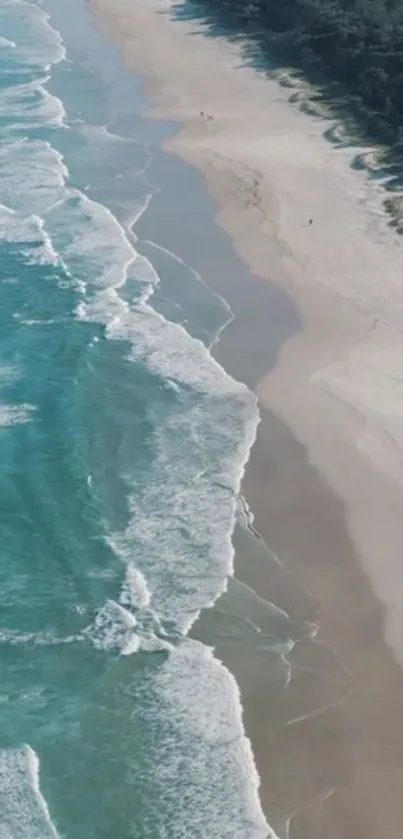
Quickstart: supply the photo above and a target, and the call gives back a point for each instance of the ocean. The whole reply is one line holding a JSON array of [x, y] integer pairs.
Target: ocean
[[122, 449]]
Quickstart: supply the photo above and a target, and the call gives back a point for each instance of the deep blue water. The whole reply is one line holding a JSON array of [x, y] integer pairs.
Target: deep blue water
[[122, 445]]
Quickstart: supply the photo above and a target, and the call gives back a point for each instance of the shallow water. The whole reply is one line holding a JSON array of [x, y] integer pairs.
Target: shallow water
[[122, 448]]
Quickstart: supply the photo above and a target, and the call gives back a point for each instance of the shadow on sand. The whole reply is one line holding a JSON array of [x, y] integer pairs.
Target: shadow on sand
[[377, 152]]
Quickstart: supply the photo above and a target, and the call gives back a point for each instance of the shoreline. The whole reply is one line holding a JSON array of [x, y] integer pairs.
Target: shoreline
[[310, 493]]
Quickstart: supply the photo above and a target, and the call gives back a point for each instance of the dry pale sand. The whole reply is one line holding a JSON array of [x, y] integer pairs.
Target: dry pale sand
[[338, 386]]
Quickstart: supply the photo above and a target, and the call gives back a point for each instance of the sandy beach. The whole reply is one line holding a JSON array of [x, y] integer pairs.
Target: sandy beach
[[325, 480]]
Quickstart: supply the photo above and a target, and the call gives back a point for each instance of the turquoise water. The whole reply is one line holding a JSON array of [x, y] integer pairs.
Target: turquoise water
[[122, 446]]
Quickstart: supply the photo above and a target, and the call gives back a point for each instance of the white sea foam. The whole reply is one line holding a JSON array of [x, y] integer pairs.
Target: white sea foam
[[170, 351], [134, 593], [112, 629], [201, 704], [43, 253], [30, 106], [32, 173], [116, 629], [178, 547], [177, 551], [90, 240], [6, 44], [13, 638], [15, 414], [32, 177], [38, 42], [30, 235], [24, 813], [190, 499], [182, 522]]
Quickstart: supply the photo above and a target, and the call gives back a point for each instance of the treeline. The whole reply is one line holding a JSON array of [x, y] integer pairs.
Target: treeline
[[359, 42]]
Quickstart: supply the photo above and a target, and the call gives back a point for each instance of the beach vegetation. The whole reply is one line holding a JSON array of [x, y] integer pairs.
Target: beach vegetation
[[359, 43]]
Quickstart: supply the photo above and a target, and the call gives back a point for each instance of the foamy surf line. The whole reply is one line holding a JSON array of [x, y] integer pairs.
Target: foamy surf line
[[24, 813], [64, 227]]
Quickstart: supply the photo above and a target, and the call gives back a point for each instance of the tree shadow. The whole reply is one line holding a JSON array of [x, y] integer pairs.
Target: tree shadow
[[378, 145]]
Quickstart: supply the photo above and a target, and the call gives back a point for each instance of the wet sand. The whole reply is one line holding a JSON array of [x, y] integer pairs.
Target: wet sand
[[325, 477]]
